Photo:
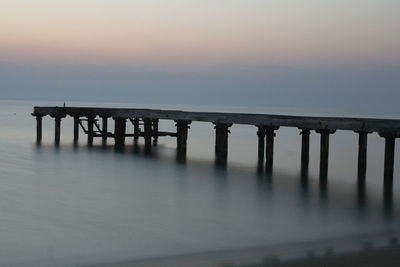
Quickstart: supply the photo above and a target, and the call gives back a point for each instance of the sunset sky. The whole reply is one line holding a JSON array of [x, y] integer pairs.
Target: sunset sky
[[223, 34]]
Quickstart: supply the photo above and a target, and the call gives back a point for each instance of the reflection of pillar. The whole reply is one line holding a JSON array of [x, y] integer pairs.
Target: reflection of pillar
[[57, 130], [76, 128], [221, 142], [269, 150], [181, 136], [155, 132], [389, 161], [104, 130], [136, 129], [148, 133], [119, 132], [90, 130], [38, 129], [324, 152]]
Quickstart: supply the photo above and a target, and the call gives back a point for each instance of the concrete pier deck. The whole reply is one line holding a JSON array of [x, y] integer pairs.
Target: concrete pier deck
[[332, 123]]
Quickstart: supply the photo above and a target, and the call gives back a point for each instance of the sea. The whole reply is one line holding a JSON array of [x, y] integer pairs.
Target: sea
[[75, 205]]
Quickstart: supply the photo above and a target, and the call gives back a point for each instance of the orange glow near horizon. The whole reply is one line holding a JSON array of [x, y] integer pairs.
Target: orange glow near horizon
[[204, 32]]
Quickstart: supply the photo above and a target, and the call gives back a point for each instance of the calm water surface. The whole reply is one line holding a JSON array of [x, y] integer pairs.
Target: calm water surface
[[71, 206]]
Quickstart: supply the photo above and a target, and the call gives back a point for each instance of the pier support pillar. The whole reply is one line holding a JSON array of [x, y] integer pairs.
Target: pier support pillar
[[305, 154], [269, 149], [39, 120], [148, 133], [181, 137], [155, 132], [104, 129], [362, 156], [324, 153], [90, 133], [57, 130], [305, 147], [221, 143], [119, 133], [136, 129], [76, 129], [261, 146], [390, 138]]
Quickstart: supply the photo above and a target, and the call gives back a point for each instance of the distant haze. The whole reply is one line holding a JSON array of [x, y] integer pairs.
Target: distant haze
[[231, 52]]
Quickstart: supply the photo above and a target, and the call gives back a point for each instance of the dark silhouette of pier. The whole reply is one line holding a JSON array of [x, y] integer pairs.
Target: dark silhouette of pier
[[146, 125]]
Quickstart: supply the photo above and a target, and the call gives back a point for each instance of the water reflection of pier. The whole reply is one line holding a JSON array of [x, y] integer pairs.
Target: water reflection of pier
[[146, 125]]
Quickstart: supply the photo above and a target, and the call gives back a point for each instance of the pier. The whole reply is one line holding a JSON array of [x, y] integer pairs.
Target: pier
[[146, 125]]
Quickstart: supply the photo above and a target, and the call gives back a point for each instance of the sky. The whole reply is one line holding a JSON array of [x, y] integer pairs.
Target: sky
[[233, 52]]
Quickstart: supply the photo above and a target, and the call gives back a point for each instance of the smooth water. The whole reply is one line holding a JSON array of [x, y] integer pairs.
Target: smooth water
[[72, 206]]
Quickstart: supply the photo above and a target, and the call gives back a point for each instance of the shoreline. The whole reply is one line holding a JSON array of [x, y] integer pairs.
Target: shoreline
[[374, 250]]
